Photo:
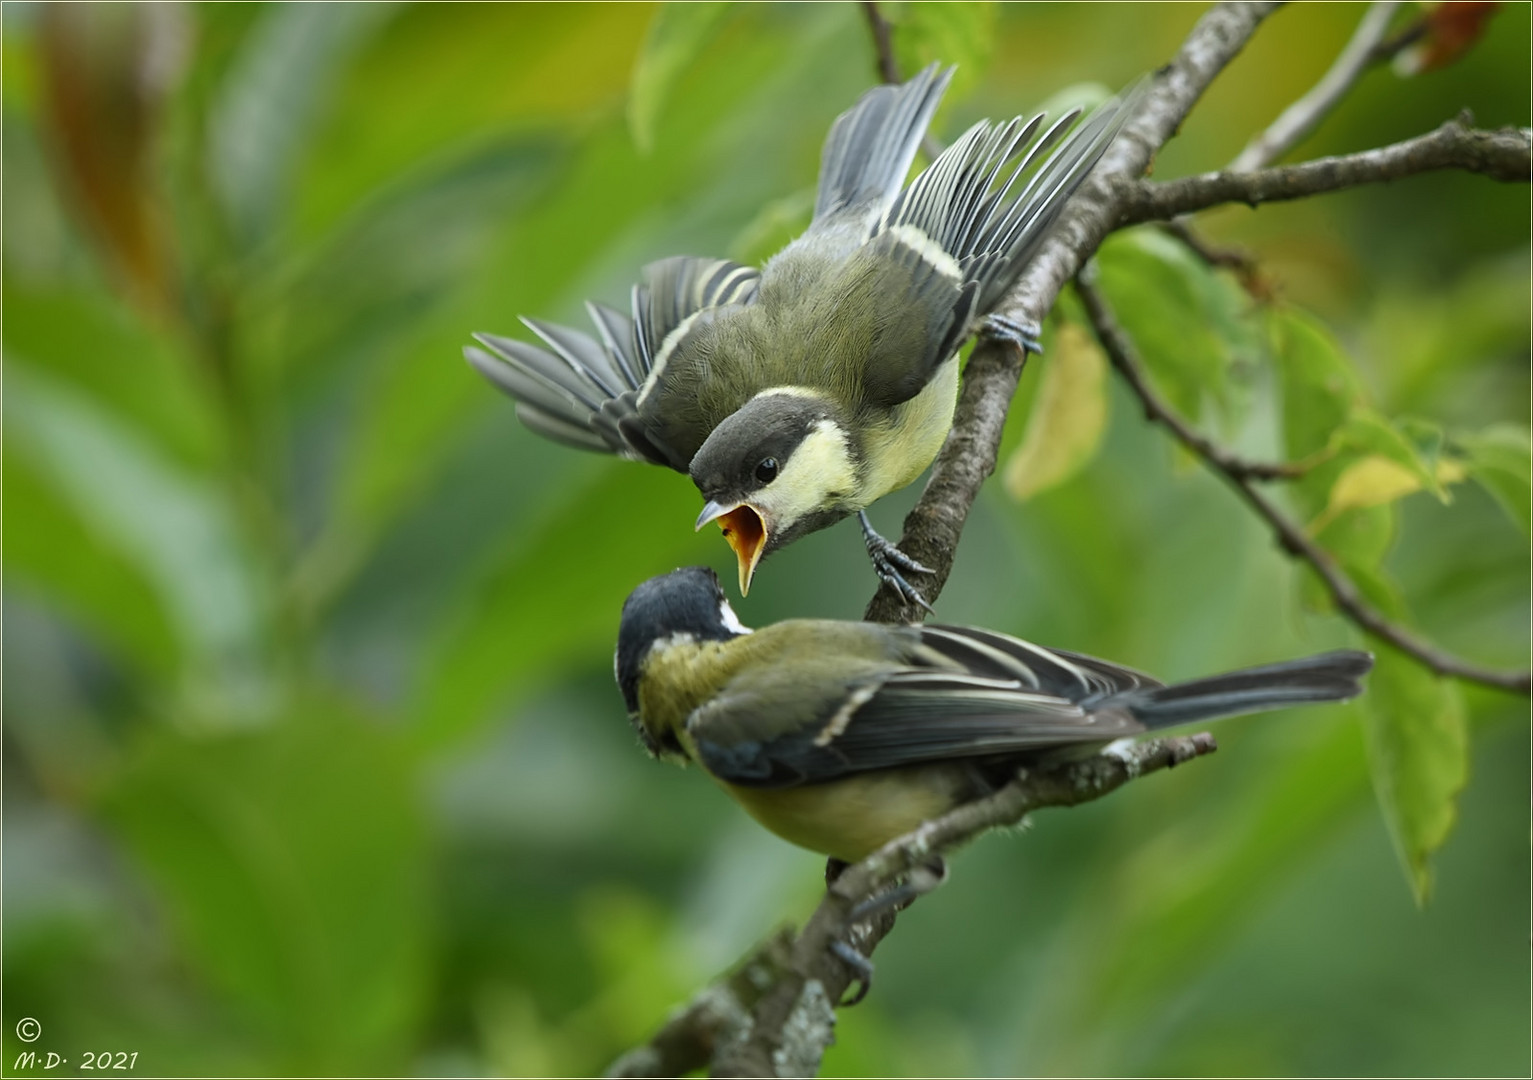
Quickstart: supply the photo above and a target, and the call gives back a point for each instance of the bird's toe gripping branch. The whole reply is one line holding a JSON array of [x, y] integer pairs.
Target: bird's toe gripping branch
[[889, 560], [920, 881], [1023, 334]]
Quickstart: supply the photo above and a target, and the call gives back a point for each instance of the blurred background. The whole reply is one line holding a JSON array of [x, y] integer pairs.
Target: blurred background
[[312, 758]]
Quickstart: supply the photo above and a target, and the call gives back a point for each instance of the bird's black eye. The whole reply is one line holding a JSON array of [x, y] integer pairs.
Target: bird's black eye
[[766, 472]]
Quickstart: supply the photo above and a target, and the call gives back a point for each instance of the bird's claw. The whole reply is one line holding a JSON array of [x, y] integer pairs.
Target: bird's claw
[[889, 560], [918, 882], [861, 967], [1024, 334]]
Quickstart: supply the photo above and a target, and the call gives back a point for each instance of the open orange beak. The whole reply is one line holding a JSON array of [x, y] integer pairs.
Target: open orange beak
[[746, 531]]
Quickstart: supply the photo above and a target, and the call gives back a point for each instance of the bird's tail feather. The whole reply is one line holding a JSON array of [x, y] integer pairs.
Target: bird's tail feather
[[871, 145], [1332, 676]]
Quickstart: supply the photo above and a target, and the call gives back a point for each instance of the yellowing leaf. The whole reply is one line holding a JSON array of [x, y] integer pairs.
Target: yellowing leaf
[[1449, 471], [1370, 481], [1068, 417], [1369, 433]]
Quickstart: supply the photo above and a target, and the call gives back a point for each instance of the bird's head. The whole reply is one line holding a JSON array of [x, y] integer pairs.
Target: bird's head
[[780, 466], [686, 606]]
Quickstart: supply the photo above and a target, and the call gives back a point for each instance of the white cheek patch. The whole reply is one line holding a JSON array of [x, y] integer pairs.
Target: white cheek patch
[[730, 620], [929, 250], [819, 476]]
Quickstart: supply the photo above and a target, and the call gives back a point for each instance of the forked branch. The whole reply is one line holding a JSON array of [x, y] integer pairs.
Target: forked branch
[[1290, 535]]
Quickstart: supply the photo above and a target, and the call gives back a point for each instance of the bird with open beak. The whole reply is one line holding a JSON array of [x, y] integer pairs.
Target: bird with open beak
[[797, 394]]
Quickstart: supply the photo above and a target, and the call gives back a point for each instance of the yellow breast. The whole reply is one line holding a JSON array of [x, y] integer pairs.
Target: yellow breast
[[852, 818], [899, 450]]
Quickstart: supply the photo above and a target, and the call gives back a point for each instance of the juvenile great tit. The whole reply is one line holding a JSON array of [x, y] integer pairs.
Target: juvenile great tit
[[797, 394], [841, 736]]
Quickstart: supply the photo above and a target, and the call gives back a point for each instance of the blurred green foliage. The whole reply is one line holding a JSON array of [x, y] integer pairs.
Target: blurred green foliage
[[312, 759]]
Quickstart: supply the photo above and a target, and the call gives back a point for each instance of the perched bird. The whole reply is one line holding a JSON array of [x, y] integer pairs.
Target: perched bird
[[797, 394], [841, 736]]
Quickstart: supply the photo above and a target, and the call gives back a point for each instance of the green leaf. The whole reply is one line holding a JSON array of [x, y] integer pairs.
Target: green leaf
[[270, 100], [1189, 324], [957, 33], [1418, 749], [1359, 539], [372, 286], [48, 546], [1320, 391], [676, 35], [491, 650], [1320, 387], [445, 82], [176, 528], [1498, 458], [291, 863], [1069, 415], [1365, 430], [106, 353]]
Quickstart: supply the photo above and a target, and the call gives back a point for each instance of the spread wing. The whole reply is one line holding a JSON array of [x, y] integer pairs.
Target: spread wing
[[954, 242], [590, 393], [955, 692]]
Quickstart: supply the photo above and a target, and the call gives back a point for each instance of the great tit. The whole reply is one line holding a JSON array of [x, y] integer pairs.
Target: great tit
[[797, 394], [841, 736]]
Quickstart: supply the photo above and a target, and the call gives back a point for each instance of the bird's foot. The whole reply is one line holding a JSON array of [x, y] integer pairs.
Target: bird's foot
[[1023, 333], [920, 881], [889, 560], [861, 967]]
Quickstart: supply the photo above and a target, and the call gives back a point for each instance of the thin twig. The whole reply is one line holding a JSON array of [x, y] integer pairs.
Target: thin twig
[[1349, 600], [883, 42], [1304, 115], [1503, 154], [1365, 48], [1392, 47], [774, 1015], [793, 988], [933, 527], [1156, 408], [889, 65], [1222, 257]]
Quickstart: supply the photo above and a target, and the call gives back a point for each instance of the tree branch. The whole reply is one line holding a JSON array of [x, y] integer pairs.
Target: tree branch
[[1290, 535], [1222, 257], [889, 66], [1364, 49], [1503, 154], [1304, 115], [933, 527], [774, 1014], [883, 42]]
